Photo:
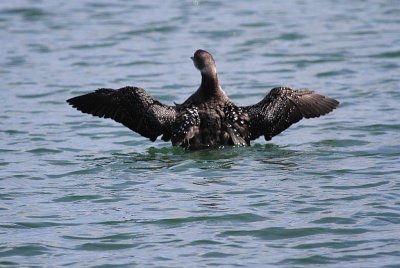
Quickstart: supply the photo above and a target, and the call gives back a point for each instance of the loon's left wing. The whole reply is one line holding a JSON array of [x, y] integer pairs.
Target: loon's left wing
[[283, 107]]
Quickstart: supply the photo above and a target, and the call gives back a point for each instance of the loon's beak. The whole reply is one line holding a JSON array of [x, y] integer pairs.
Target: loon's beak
[[192, 58]]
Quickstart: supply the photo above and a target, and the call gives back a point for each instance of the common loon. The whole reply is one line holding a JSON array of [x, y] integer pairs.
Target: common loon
[[208, 118]]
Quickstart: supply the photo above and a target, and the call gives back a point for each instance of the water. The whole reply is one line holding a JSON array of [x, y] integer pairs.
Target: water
[[80, 191]]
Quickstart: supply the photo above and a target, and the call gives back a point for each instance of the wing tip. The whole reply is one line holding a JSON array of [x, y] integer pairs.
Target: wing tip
[[69, 101], [332, 104]]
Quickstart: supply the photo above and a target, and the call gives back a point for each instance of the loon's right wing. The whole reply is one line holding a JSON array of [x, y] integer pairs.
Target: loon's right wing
[[283, 107], [131, 106]]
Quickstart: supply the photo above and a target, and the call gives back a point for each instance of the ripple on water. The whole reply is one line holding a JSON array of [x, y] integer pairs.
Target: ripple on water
[[340, 143], [105, 246], [292, 36], [335, 220], [77, 198], [388, 54], [243, 217], [355, 186], [46, 151], [341, 72], [27, 13], [81, 171], [277, 233], [25, 250], [41, 95], [30, 225]]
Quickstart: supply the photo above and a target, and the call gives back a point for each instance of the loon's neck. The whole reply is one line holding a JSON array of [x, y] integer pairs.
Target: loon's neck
[[209, 89], [209, 82]]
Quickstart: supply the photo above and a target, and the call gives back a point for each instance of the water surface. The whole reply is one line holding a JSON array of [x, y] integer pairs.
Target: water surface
[[81, 191]]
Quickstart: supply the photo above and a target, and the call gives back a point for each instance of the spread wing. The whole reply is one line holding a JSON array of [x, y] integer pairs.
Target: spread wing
[[130, 106], [283, 107]]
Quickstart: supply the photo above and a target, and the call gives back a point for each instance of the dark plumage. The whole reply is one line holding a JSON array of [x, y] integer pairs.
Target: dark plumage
[[208, 118]]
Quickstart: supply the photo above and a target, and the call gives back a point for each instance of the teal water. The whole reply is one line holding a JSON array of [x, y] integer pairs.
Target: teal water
[[86, 192]]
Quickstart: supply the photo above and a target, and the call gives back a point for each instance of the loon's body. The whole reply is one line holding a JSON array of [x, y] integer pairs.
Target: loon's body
[[208, 118]]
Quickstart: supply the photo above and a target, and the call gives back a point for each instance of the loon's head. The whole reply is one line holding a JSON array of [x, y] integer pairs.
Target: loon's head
[[204, 62]]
